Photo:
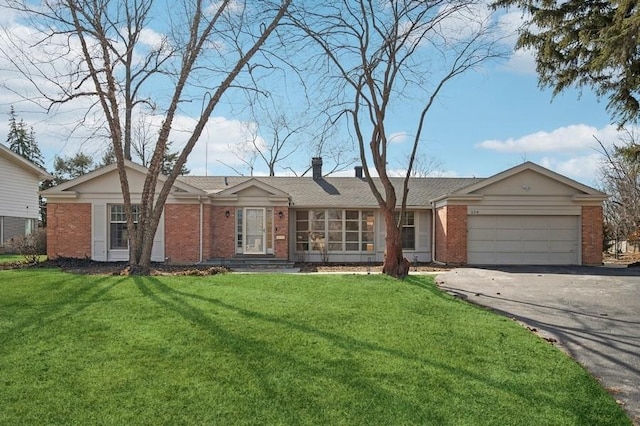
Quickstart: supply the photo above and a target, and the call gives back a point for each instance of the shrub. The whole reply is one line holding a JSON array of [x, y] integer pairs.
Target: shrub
[[30, 246]]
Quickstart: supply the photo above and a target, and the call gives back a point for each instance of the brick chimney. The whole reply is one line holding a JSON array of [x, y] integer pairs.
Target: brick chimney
[[316, 166]]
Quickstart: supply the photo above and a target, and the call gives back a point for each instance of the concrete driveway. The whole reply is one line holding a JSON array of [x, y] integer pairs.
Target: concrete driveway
[[592, 312]]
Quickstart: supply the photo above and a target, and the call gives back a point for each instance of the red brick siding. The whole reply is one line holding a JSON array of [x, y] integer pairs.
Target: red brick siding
[[68, 230], [207, 237], [281, 227], [592, 235], [451, 234], [182, 233], [223, 232]]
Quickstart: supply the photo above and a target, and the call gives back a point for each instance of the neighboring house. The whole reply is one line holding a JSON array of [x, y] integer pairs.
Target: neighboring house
[[524, 215], [19, 203]]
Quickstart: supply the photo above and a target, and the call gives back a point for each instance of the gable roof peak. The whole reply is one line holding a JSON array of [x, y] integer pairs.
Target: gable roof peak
[[23, 163]]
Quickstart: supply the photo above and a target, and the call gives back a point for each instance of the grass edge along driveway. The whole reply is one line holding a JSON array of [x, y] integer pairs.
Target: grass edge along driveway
[[275, 349]]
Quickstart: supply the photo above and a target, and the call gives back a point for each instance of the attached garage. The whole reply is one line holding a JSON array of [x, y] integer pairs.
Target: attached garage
[[527, 215], [523, 240]]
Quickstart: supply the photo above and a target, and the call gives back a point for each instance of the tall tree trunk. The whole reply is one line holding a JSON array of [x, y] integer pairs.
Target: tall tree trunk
[[395, 264]]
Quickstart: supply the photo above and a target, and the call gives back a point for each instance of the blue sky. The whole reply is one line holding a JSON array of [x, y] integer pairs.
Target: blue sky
[[484, 122]]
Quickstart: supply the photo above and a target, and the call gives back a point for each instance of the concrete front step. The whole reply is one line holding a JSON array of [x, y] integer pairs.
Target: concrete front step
[[251, 263]]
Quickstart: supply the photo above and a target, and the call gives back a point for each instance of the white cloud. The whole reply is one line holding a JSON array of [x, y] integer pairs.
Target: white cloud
[[564, 139], [461, 22], [72, 127], [583, 168], [521, 60], [398, 137], [223, 142], [151, 38]]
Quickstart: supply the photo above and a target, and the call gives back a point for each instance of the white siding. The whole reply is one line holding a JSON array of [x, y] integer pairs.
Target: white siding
[[18, 191], [99, 237], [157, 251]]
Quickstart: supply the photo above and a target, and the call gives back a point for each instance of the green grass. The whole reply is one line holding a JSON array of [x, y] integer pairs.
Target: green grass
[[275, 349], [17, 258]]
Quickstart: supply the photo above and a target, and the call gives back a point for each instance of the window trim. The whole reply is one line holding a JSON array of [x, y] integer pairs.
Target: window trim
[[405, 226], [110, 221], [316, 238]]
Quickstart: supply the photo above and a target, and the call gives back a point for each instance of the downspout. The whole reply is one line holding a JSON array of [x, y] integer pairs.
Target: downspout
[[201, 229]]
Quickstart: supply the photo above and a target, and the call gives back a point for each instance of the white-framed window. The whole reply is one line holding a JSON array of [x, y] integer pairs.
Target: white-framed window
[[30, 226], [118, 232], [407, 230], [335, 229], [239, 231]]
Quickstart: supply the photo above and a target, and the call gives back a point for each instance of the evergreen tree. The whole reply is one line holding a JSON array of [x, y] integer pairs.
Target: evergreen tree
[[23, 142], [67, 168], [586, 43], [169, 160]]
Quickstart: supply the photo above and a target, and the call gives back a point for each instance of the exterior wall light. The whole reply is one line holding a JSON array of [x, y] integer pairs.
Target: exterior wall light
[[280, 214], [227, 213]]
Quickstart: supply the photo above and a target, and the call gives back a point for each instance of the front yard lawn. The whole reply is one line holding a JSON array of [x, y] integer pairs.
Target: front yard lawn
[[17, 258], [275, 349]]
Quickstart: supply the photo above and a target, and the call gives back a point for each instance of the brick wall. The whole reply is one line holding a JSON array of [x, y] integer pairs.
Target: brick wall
[[207, 234], [451, 234], [68, 230], [182, 233], [281, 227], [592, 235], [223, 232]]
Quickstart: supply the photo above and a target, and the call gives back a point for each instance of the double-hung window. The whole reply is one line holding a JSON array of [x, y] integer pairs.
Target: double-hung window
[[118, 232], [407, 230]]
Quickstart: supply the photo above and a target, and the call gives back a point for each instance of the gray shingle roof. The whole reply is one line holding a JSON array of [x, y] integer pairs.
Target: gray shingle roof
[[338, 191]]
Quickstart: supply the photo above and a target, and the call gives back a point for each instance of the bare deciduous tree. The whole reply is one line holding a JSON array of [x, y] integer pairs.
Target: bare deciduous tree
[[620, 174], [126, 54], [380, 55]]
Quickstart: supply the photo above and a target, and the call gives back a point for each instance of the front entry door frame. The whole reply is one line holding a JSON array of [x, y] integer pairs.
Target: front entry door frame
[[255, 234]]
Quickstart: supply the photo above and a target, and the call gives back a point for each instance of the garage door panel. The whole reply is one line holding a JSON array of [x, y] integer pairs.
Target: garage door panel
[[541, 258], [535, 223], [563, 259], [508, 222], [509, 246], [563, 235], [481, 234], [535, 246], [534, 240], [484, 222], [562, 246], [535, 234], [563, 222], [509, 235], [481, 246]]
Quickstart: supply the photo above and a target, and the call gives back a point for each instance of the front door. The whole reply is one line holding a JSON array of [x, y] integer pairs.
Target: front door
[[255, 235]]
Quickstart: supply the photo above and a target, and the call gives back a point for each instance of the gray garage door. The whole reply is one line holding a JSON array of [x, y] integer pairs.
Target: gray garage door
[[522, 240]]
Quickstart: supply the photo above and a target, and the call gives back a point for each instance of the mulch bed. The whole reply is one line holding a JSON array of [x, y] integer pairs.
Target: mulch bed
[[90, 267]]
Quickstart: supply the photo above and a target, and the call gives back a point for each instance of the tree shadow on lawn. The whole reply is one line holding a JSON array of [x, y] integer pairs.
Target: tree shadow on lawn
[[45, 312], [253, 352], [590, 337]]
